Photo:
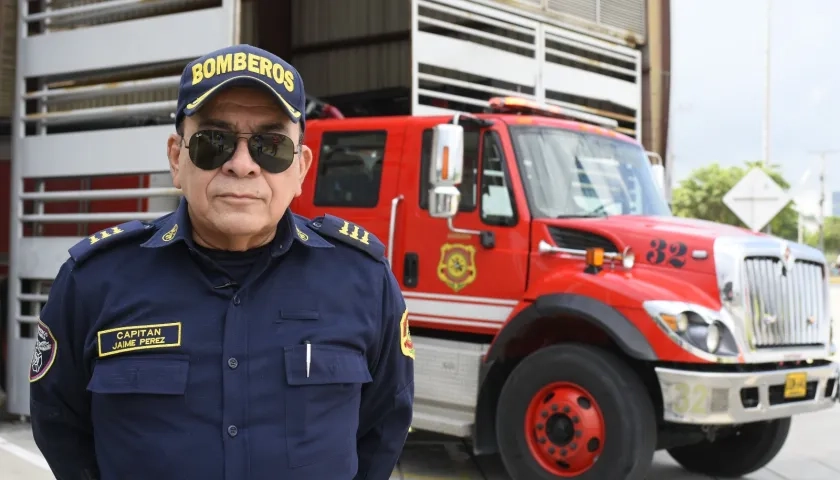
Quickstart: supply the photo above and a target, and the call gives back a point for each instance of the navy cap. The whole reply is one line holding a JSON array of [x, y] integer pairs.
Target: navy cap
[[241, 65]]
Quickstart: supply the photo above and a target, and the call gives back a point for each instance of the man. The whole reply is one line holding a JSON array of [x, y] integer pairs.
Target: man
[[230, 339]]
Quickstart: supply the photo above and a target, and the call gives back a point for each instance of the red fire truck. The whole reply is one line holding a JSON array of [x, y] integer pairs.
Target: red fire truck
[[561, 316]]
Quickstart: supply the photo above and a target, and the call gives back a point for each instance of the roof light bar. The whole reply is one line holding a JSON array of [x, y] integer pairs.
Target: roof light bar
[[525, 106]]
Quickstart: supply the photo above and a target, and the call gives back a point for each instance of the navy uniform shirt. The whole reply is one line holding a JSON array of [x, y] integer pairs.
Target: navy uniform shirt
[[150, 355]]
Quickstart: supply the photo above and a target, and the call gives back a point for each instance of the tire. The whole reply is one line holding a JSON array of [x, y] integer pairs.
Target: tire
[[615, 432], [752, 447]]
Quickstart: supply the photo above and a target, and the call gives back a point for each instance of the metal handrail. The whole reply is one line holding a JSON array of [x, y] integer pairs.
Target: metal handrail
[[110, 88], [113, 194], [90, 217], [100, 113], [92, 10]]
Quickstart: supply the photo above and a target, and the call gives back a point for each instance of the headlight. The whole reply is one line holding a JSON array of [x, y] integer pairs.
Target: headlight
[[678, 323], [698, 329], [682, 322], [713, 337]]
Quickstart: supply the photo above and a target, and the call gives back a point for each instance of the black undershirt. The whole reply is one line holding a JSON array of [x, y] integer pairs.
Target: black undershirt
[[237, 265]]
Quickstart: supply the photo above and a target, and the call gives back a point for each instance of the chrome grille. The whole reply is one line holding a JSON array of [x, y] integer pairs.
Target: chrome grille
[[785, 309]]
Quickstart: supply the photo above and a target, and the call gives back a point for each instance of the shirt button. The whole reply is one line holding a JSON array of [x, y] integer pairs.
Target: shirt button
[[233, 431], [233, 363], [236, 300]]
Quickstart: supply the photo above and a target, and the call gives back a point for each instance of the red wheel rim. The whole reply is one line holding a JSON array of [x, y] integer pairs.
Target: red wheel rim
[[564, 429]]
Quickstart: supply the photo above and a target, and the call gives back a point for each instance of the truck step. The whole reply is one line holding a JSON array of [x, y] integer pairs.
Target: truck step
[[440, 419]]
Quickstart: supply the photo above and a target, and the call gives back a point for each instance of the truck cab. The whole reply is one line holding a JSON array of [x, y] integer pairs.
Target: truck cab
[[561, 315]]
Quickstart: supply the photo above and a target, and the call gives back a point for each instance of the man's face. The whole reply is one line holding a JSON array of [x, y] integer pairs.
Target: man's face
[[239, 199]]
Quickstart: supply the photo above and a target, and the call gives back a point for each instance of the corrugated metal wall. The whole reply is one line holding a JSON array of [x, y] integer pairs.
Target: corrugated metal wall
[[626, 15], [248, 32], [150, 9], [347, 66], [354, 67], [155, 95], [8, 56], [107, 100], [340, 47]]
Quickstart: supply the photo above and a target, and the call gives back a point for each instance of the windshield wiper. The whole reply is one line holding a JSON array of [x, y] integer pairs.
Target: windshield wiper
[[583, 215], [600, 212]]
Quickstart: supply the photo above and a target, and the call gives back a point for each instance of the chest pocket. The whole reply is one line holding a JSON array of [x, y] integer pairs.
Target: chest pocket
[[322, 409], [132, 387]]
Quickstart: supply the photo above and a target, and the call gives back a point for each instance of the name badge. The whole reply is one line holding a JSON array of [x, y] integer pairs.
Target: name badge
[[139, 337]]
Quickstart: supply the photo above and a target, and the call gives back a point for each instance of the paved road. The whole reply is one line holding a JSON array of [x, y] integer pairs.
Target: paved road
[[812, 452]]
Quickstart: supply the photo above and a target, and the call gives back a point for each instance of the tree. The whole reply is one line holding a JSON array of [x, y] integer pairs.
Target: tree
[[701, 196], [831, 234]]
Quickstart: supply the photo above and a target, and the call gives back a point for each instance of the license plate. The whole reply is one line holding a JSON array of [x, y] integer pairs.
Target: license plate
[[796, 385]]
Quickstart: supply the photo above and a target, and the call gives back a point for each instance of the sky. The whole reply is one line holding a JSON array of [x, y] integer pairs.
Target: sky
[[718, 88]]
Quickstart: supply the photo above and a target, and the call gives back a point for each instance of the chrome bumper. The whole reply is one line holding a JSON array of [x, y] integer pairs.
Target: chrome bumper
[[709, 398]]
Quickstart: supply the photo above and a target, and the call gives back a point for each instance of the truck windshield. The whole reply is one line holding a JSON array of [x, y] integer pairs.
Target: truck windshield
[[579, 174]]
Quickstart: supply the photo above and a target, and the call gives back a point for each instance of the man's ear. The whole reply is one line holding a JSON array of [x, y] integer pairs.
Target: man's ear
[[173, 151], [303, 167], [305, 161]]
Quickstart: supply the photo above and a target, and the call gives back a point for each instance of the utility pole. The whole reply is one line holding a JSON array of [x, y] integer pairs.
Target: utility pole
[[821, 213], [766, 128], [822, 202], [765, 161]]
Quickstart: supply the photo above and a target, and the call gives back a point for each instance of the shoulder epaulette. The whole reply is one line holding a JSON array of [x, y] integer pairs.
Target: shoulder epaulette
[[108, 237], [348, 233]]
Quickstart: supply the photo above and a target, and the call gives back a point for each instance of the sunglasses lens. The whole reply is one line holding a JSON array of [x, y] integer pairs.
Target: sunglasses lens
[[273, 152], [210, 149]]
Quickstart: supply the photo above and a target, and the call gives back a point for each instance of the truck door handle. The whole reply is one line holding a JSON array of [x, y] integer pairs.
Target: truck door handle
[[410, 267]]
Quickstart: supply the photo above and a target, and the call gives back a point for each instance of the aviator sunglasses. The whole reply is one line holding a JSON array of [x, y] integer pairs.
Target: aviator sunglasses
[[210, 149]]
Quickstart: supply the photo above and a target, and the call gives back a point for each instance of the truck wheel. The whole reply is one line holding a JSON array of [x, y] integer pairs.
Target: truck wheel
[[575, 411], [749, 449]]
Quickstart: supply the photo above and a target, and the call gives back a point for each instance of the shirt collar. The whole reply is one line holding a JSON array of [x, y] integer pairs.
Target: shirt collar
[[176, 228], [172, 229]]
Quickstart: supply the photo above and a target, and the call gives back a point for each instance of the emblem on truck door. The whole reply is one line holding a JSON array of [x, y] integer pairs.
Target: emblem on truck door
[[457, 265]]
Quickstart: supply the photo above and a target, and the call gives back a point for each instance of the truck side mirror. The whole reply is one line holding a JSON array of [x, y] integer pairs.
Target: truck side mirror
[[443, 201], [447, 165], [659, 177], [657, 166]]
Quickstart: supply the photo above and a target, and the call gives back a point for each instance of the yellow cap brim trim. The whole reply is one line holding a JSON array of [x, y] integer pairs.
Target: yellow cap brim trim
[[197, 102]]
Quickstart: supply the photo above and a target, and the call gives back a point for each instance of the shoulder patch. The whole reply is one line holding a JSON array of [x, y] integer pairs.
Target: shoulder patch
[[46, 349], [102, 239], [406, 344], [349, 233]]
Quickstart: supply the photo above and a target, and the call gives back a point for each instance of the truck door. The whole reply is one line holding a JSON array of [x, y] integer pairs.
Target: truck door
[[450, 280], [355, 172]]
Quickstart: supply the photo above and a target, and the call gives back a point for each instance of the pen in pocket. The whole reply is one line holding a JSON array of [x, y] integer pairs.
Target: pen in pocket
[[308, 357]]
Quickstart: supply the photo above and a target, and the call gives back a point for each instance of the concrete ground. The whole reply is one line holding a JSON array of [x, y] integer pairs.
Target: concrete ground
[[812, 453]]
